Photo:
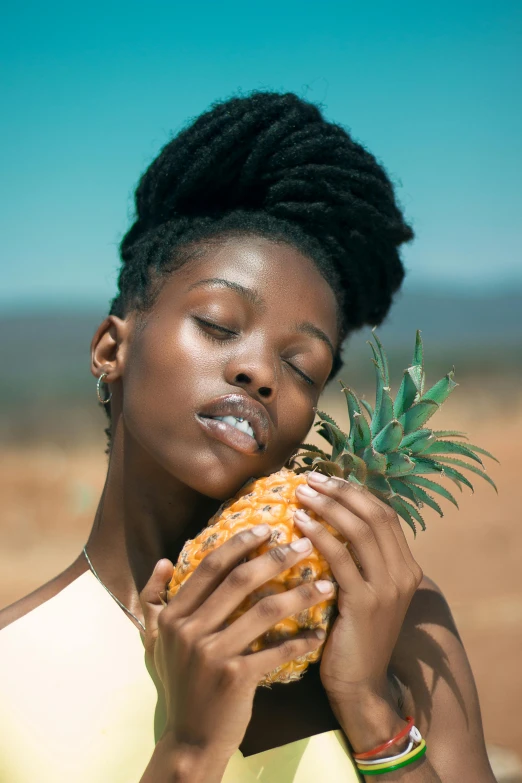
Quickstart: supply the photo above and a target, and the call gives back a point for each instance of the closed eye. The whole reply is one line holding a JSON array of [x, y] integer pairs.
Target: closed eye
[[209, 326], [299, 372]]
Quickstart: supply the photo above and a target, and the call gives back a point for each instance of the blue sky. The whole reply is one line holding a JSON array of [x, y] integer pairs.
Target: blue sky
[[92, 91]]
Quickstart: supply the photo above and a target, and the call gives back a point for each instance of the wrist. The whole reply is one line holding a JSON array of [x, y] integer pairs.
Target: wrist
[[190, 763], [369, 719]]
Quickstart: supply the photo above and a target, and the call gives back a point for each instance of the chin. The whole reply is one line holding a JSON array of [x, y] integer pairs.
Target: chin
[[221, 482]]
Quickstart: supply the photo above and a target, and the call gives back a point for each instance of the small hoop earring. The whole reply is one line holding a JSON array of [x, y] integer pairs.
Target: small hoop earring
[[98, 389]]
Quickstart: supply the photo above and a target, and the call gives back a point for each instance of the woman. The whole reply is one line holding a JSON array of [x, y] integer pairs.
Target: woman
[[263, 236]]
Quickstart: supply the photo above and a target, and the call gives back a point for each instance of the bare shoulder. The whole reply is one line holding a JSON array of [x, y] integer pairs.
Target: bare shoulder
[[42, 594], [438, 687]]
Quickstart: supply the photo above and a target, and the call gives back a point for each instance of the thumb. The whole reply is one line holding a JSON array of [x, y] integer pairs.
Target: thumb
[[152, 599]]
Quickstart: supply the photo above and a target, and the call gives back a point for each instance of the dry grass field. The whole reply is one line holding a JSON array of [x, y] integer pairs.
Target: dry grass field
[[49, 495]]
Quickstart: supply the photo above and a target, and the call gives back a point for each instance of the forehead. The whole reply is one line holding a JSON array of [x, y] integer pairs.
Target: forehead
[[284, 278]]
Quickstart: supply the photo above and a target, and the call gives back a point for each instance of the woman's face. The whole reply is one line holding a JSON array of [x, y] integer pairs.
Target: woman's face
[[221, 378]]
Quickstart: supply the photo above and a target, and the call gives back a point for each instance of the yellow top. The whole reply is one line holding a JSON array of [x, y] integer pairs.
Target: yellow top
[[77, 704]]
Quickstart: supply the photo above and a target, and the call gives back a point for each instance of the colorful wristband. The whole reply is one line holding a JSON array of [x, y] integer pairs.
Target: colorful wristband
[[403, 733], [381, 769], [415, 739]]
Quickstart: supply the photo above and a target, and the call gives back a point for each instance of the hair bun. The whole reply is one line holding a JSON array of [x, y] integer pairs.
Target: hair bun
[[275, 156]]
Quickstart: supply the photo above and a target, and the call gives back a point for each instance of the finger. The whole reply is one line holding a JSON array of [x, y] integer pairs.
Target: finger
[[380, 516], [152, 601], [259, 664], [269, 611], [353, 529], [214, 568], [246, 578]]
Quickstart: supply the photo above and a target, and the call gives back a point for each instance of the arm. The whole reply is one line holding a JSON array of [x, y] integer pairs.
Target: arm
[[438, 689], [392, 619], [174, 764]]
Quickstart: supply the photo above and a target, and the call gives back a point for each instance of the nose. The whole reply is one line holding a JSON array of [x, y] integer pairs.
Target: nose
[[257, 376]]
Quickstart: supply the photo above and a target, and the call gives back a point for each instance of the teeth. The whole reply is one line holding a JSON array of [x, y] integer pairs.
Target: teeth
[[240, 424]]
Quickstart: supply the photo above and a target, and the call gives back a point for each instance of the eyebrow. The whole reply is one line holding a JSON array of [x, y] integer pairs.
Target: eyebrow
[[252, 296], [249, 294], [307, 328]]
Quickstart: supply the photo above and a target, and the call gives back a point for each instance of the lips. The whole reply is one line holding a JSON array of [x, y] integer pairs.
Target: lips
[[238, 406]]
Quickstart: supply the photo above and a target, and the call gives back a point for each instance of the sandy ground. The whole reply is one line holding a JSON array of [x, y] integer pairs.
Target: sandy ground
[[49, 496]]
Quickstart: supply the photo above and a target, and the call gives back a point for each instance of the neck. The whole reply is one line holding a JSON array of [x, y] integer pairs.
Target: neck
[[144, 515]]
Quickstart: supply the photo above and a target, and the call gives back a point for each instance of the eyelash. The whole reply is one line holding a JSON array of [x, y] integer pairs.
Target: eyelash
[[205, 325]]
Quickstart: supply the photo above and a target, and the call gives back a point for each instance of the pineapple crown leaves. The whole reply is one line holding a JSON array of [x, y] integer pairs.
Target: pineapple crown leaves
[[388, 446]]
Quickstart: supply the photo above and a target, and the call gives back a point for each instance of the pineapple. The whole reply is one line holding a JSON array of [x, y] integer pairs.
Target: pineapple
[[388, 449]]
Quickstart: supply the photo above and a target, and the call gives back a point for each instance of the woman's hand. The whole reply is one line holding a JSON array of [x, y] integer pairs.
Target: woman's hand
[[208, 677], [372, 602]]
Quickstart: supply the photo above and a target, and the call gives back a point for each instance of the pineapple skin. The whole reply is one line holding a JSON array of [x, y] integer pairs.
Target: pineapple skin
[[270, 500]]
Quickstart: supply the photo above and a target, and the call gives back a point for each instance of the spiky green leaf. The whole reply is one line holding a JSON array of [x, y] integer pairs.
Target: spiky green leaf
[[324, 433], [481, 451], [413, 512], [401, 488], [442, 389], [327, 467], [353, 465], [416, 416], [383, 359], [422, 497], [420, 445], [312, 455], [457, 477], [432, 485], [379, 485], [368, 408], [339, 439], [398, 465], [374, 460], [362, 437], [401, 507], [466, 465], [312, 447], [426, 465], [354, 407], [389, 438], [450, 447], [383, 412], [449, 434], [325, 417], [418, 353], [410, 439], [406, 394]]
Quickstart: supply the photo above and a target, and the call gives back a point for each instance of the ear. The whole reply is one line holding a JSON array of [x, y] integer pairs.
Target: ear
[[109, 348]]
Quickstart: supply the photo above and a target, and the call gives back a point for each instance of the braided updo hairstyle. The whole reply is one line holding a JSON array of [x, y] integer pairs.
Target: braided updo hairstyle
[[269, 164]]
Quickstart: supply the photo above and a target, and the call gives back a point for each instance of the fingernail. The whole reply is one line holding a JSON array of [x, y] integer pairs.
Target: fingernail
[[301, 545], [317, 478], [260, 530], [302, 518], [324, 586], [320, 633], [304, 489]]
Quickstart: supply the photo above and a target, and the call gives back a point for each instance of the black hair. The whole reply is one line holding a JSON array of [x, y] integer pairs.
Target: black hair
[[269, 164]]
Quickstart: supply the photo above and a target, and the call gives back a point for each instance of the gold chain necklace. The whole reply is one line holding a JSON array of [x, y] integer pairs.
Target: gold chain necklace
[[111, 594]]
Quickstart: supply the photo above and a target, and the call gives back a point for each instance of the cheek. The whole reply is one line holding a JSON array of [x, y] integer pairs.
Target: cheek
[[161, 381], [295, 417]]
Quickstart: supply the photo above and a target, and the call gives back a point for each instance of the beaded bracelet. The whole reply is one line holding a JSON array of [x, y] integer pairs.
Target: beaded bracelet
[[379, 749], [381, 769]]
